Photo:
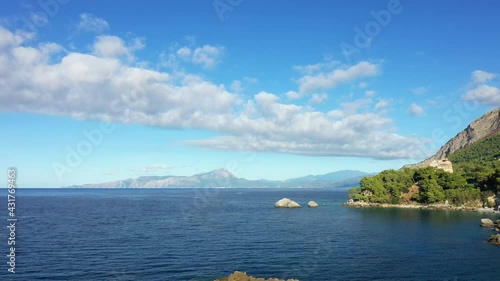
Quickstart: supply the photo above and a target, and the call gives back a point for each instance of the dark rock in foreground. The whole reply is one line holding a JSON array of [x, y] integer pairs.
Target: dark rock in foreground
[[494, 239], [242, 276]]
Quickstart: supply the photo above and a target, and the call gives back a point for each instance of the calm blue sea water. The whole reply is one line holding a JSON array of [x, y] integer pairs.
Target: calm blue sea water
[[201, 234]]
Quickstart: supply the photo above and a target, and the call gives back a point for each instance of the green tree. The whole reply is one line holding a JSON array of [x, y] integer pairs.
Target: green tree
[[431, 191], [375, 186]]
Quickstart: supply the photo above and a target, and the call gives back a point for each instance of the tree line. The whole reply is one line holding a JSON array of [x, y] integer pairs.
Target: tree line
[[476, 177]]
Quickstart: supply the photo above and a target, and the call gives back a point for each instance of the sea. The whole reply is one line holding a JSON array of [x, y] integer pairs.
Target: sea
[[208, 233]]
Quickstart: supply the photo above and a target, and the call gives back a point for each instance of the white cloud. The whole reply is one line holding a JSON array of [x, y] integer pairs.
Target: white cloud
[[343, 74], [415, 110], [355, 106], [479, 76], [39, 19], [362, 85], [236, 86], [420, 90], [114, 47], [318, 98], [370, 93], [184, 52], [294, 95], [110, 46], [101, 86], [381, 104], [484, 94], [169, 61], [298, 130], [208, 56], [91, 23], [9, 39], [137, 44]]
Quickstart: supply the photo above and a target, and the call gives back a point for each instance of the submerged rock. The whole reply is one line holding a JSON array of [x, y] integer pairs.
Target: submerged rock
[[487, 223], [494, 239], [242, 276], [312, 204], [286, 203]]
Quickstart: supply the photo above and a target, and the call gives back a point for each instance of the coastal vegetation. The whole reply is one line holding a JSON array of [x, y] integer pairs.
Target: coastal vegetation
[[475, 180]]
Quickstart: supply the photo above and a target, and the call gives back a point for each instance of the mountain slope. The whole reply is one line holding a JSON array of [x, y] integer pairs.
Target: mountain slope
[[485, 126], [487, 149]]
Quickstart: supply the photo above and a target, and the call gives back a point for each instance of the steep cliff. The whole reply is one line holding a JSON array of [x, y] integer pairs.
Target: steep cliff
[[485, 126]]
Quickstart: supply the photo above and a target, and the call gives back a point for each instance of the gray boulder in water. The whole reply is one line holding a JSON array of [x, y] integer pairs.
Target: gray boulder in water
[[312, 204], [286, 203], [487, 223]]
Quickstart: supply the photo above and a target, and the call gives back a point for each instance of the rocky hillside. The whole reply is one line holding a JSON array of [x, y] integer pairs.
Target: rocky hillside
[[487, 125]]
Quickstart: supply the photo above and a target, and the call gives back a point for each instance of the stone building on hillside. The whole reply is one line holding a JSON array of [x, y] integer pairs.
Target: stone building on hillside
[[443, 164]]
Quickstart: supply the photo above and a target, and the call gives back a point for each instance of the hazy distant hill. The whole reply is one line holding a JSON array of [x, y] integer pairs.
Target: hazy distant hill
[[223, 178], [333, 177], [345, 178]]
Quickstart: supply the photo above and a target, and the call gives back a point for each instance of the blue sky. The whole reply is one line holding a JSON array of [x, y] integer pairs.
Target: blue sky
[[98, 91]]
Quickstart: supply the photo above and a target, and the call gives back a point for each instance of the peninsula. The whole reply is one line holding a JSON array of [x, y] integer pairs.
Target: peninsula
[[463, 175]]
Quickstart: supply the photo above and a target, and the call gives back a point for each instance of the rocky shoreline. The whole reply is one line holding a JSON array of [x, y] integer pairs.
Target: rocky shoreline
[[443, 207], [242, 276], [487, 223]]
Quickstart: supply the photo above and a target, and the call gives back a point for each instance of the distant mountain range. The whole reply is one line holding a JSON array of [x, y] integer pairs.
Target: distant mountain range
[[223, 178]]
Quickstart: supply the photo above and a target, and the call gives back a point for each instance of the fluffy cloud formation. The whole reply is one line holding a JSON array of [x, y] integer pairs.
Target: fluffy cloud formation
[[207, 56], [294, 95], [381, 104], [415, 110], [115, 47], [91, 23], [101, 86], [479, 76], [342, 74], [483, 94], [318, 98]]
